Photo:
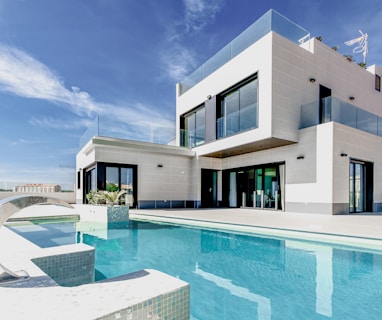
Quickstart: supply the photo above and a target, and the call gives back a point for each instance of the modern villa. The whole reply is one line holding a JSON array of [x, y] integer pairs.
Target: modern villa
[[276, 120]]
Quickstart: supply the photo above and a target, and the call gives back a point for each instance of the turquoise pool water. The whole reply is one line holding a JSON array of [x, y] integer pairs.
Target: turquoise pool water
[[236, 276]]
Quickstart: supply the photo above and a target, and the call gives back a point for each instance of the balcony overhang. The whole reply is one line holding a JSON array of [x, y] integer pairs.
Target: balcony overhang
[[265, 144]]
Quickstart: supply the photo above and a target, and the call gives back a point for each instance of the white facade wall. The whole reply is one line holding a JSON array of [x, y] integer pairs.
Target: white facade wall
[[256, 59], [357, 145], [165, 173]]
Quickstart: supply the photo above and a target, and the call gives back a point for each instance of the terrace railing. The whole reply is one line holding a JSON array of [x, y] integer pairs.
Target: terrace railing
[[333, 109], [271, 21]]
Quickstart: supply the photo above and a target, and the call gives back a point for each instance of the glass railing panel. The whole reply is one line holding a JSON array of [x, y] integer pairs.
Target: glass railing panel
[[270, 21], [309, 115], [288, 29], [344, 113], [228, 125], [191, 80], [237, 122], [200, 134], [191, 138], [219, 59], [182, 138], [220, 128], [253, 33], [367, 121], [248, 117], [380, 126], [92, 131], [326, 110]]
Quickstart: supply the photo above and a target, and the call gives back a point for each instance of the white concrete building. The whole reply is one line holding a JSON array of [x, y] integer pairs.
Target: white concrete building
[[37, 188], [275, 120]]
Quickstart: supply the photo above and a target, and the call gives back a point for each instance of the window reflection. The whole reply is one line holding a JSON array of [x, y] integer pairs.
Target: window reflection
[[194, 132], [238, 110]]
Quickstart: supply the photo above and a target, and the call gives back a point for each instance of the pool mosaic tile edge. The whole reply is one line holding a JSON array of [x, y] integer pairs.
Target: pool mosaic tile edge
[[171, 305], [116, 300], [69, 269]]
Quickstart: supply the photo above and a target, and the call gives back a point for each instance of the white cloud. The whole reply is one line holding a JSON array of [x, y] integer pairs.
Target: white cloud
[[22, 141], [198, 13], [180, 61], [60, 124], [23, 75]]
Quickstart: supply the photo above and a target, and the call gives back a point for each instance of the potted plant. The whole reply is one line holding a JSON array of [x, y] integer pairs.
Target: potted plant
[[110, 199]]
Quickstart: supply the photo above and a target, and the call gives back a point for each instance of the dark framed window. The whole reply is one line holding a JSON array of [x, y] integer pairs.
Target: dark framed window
[[193, 129], [78, 179], [113, 177], [238, 108], [377, 82]]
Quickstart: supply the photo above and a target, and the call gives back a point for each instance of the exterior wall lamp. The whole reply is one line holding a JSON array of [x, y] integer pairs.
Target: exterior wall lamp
[[301, 157], [312, 80], [343, 154], [160, 165], [351, 98], [209, 97]]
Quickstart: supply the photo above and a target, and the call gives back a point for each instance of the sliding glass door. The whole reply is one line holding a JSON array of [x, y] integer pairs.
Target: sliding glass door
[[254, 187], [360, 186]]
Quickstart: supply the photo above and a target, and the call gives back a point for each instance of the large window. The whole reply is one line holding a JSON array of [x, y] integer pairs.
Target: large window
[[259, 186], [113, 177], [90, 180], [194, 128], [238, 109]]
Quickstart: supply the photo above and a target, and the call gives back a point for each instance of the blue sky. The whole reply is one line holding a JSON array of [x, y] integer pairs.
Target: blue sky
[[63, 62]]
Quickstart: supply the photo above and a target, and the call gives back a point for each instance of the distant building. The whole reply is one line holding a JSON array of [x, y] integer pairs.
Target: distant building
[[38, 188]]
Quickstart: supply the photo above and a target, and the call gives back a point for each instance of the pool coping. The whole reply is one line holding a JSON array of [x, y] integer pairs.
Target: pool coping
[[55, 218], [351, 242]]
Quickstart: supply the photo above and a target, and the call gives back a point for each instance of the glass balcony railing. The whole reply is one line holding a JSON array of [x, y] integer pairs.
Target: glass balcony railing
[[91, 131], [192, 138], [239, 121], [123, 128], [271, 21], [342, 112]]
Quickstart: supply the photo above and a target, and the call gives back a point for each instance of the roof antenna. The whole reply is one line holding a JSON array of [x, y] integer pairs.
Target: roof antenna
[[362, 45]]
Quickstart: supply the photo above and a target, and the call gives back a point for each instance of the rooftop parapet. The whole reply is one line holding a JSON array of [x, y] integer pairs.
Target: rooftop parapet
[[270, 21]]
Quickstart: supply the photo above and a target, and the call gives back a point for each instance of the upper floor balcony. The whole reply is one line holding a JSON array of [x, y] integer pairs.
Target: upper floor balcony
[[332, 109], [271, 21]]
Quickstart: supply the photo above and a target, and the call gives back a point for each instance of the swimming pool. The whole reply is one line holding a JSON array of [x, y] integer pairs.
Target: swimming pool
[[235, 276]]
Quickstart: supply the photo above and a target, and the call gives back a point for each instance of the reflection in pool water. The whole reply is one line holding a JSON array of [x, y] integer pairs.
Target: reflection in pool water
[[235, 276]]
